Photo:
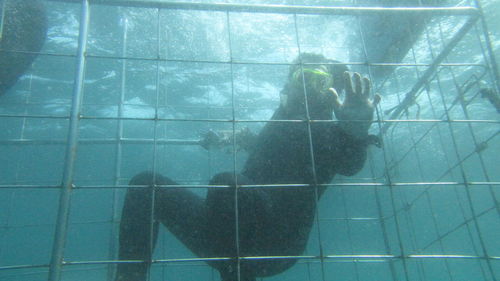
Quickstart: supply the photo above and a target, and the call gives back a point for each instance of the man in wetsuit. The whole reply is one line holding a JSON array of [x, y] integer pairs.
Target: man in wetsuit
[[272, 221]]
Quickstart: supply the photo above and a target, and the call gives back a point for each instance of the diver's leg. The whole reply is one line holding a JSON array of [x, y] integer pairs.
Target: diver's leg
[[232, 276], [137, 230], [222, 224], [184, 214], [179, 209]]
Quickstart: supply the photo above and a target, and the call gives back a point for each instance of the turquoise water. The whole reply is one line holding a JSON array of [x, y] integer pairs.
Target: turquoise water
[[193, 80]]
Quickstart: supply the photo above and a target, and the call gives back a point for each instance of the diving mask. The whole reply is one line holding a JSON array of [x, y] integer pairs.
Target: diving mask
[[317, 79]]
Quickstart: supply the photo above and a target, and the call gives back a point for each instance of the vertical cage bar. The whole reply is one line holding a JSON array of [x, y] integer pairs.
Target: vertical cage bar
[[233, 146], [67, 184], [311, 149], [155, 144], [377, 195], [349, 231], [390, 186]]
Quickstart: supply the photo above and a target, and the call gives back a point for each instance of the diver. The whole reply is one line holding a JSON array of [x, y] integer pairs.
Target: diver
[[272, 221]]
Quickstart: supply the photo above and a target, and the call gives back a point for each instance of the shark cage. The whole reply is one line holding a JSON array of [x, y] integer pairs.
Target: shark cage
[[93, 92]]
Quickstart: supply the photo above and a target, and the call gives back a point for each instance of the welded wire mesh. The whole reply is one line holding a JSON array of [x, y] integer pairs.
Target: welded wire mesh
[[425, 207]]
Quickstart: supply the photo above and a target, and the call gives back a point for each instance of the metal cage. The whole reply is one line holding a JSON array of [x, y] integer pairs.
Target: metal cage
[[425, 207]]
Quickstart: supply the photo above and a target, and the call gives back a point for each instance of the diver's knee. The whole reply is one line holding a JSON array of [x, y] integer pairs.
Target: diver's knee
[[223, 178], [143, 178], [150, 178], [228, 178]]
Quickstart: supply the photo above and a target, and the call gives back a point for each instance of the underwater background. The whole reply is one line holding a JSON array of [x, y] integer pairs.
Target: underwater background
[[154, 77]]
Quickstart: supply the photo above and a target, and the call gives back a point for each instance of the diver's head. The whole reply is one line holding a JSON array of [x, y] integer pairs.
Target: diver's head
[[313, 74]]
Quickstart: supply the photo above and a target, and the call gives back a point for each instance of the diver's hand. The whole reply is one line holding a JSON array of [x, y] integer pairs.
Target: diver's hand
[[357, 109]]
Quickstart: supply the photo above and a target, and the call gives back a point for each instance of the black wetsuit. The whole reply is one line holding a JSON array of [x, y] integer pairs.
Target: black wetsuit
[[273, 221]]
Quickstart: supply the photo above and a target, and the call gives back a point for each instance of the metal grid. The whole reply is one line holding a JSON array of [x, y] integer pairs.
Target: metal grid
[[397, 199]]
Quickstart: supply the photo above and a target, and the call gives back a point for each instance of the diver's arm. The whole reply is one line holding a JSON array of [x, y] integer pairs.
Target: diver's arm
[[244, 139]]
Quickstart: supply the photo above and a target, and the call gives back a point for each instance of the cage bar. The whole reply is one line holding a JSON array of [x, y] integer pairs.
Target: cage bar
[[67, 184]]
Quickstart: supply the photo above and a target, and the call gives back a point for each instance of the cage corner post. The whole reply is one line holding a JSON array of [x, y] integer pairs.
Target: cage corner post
[[72, 141]]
